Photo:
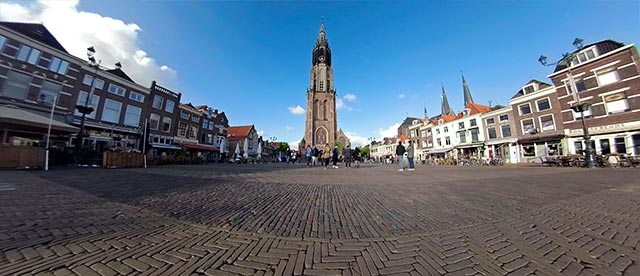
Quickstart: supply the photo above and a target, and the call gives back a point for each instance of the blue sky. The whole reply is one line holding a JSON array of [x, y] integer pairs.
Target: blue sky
[[252, 59]]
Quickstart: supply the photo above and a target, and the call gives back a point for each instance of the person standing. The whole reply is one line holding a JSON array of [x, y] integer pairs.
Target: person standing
[[410, 156], [335, 154], [307, 153], [400, 152], [348, 156], [356, 156], [314, 156], [326, 155]]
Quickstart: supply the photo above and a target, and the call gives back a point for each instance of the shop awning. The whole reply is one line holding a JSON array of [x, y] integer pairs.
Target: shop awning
[[541, 139], [436, 151], [501, 141], [164, 146], [200, 147], [15, 115], [474, 145]]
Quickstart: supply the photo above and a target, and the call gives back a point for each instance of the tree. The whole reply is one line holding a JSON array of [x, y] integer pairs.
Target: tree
[[283, 146], [365, 151]]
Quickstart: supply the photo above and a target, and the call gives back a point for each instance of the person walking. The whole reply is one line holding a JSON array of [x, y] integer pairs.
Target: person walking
[[348, 156], [356, 156], [335, 154], [410, 156], [400, 152], [326, 155], [307, 153]]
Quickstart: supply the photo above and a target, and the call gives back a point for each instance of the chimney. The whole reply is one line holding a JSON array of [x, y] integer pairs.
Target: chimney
[[215, 111]]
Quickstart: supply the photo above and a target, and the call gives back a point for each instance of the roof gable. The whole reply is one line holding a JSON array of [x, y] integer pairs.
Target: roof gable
[[121, 74], [35, 31], [603, 47], [238, 132], [541, 85]]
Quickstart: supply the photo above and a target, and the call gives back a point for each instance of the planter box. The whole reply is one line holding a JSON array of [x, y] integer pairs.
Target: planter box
[[122, 159], [20, 157]]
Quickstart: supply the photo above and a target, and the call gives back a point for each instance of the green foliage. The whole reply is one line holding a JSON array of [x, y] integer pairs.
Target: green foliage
[[283, 146], [365, 151]]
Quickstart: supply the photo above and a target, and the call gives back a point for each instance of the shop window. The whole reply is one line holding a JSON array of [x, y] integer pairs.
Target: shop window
[[605, 147], [528, 150], [636, 144], [620, 144], [578, 146]]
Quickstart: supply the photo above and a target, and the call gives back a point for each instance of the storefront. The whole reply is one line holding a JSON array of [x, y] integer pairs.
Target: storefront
[[622, 138], [470, 150], [440, 153], [505, 149], [533, 149]]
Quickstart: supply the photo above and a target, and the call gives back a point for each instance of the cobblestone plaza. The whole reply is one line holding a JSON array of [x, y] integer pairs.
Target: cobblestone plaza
[[279, 220]]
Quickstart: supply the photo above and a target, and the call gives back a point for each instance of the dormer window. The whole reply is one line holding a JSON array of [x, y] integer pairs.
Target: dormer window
[[440, 121], [584, 56], [466, 112], [530, 88]]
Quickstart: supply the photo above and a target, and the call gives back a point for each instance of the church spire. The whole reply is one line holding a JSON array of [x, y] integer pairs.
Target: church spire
[[322, 34], [446, 109], [467, 93], [426, 115]]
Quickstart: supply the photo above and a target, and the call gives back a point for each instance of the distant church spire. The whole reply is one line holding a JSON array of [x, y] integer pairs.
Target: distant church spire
[[467, 93], [446, 109], [426, 115], [322, 34]]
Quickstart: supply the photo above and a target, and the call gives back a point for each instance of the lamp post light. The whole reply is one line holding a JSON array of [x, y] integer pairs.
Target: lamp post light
[[53, 108], [579, 105], [86, 109]]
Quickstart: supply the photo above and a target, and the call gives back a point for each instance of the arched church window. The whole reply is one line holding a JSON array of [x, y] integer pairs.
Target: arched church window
[[324, 110], [316, 109]]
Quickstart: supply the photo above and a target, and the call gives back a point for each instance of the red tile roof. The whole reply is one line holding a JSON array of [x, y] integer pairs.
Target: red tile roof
[[477, 108], [238, 132]]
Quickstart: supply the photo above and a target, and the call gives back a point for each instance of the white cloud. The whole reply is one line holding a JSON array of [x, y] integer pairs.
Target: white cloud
[[356, 140], [113, 39], [391, 131], [298, 110], [293, 144], [341, 105], [401, 96], [288, 128], [350, 97]]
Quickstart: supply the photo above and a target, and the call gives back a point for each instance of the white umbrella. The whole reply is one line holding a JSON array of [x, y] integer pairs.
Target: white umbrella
[[259, 150], [237, 152], [246, 150]]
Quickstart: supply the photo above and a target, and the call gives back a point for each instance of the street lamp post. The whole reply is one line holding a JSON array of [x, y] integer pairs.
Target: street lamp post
[[53, 108], [578, 105], [86, 109]]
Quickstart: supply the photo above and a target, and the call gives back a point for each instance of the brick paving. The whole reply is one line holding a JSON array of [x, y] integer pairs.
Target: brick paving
[[277, 220]]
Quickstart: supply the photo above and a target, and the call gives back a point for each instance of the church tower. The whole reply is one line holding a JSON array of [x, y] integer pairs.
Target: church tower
[[321, 122]]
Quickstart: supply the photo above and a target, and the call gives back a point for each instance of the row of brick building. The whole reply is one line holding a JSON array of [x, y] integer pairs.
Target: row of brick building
[[35, 69], [539, 120]]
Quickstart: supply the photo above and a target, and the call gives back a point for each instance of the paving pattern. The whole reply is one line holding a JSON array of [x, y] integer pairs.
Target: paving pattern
[[278, 220]]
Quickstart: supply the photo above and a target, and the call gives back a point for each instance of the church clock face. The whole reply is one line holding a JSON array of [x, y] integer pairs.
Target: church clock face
[[321, 58]]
